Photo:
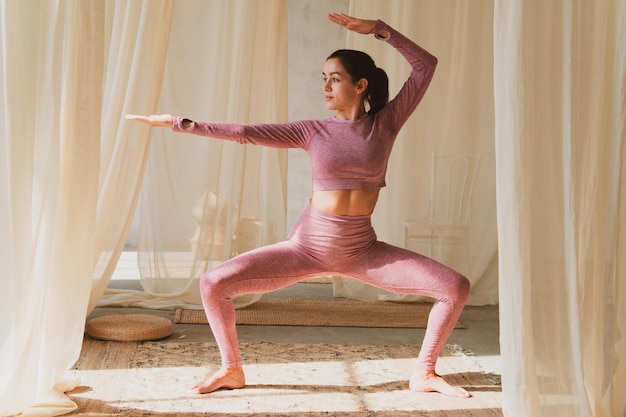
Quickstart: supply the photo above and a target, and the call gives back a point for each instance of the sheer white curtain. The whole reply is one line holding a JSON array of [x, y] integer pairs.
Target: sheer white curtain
[[69, 176], [205, 200], [135, 39], [71, 167], [560, 88], [455, 117], [49, 186]]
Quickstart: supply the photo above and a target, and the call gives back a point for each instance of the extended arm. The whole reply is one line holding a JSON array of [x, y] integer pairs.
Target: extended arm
[[275, 135]]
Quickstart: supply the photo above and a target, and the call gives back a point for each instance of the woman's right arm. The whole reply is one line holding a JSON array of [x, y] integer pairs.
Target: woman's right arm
[[275, 135]]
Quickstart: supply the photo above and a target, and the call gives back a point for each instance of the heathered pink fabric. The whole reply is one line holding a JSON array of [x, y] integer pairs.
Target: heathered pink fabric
[[321, 243], [345, 154]]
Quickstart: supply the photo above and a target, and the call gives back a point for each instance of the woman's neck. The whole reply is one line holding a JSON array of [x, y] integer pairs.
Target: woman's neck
[[351, 114]]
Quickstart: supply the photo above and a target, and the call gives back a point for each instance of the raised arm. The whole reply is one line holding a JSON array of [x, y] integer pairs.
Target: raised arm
[[413, 53], [419, 58], [422, 62]]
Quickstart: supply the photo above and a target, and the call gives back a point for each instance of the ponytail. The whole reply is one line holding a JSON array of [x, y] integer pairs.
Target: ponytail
[[378, 91], [360, 65]]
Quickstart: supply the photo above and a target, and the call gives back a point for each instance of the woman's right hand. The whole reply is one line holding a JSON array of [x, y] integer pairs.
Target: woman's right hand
[[161, 120]]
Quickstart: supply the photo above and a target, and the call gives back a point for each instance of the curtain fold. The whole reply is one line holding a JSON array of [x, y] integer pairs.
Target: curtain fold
[[221, 197], [206, 200], [69, 176], [559, 90], [134, 60], [51, 138], [72, 168]]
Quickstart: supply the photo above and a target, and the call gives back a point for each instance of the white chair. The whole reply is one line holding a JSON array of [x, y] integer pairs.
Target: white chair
[[447, 220]]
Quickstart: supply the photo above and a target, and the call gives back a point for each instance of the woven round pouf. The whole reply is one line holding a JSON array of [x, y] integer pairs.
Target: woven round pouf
[[129, 327]]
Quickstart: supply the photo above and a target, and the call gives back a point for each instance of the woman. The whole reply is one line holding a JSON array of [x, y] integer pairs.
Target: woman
[[349, 154]]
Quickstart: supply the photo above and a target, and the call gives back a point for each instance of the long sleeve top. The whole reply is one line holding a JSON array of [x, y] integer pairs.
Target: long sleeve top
[[344, 154]]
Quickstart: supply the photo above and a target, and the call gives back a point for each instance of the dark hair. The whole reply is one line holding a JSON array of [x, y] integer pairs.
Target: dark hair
[[360, 65]]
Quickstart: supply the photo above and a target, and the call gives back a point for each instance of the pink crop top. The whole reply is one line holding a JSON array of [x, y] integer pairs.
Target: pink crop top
[[344, 154]]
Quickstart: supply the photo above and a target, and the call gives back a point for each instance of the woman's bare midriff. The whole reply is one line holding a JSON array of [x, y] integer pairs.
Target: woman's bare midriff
[[346, 202]]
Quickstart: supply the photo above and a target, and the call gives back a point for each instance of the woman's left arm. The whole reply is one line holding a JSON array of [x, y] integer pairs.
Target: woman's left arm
[[423, 65], [419, 58]]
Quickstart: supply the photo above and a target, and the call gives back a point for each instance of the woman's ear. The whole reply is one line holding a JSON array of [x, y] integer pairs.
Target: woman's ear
[[361, 85]]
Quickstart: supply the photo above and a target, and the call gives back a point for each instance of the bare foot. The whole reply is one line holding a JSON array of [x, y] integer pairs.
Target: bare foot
[[229, 378], [429, 381]]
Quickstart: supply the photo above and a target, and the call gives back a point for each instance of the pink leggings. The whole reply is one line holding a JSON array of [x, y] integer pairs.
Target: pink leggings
[[321, 244]]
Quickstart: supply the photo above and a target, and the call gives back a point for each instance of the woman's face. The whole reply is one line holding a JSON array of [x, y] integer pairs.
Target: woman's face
[[342, 94]]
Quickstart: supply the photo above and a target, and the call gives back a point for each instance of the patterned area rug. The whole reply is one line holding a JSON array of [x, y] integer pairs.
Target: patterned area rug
[[153, 379], [329, 313]]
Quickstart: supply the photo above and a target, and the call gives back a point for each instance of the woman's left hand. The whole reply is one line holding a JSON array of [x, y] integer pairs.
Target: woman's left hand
[[352, 23]]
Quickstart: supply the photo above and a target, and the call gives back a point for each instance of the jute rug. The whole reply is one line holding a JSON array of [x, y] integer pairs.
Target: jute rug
[[154, 378], [328, 313]]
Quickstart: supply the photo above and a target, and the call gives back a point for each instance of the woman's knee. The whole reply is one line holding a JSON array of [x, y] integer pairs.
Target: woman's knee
[[461, 288], [455, 291], [211, 285]]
